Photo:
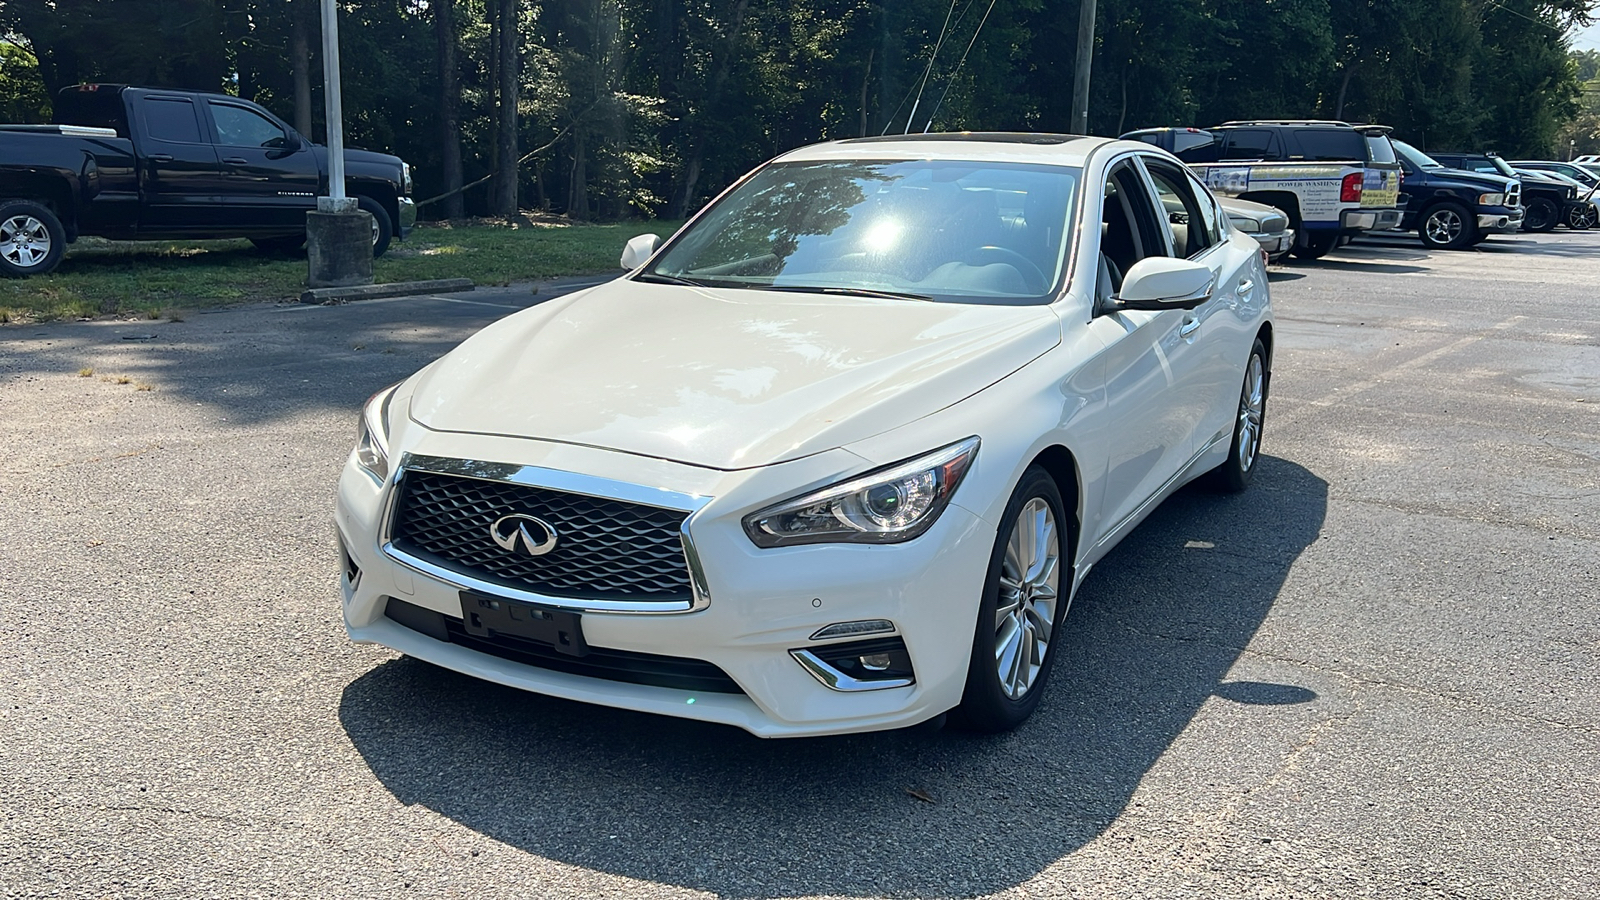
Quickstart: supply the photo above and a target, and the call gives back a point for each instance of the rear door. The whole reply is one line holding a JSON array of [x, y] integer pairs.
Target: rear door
[[179, 177], [271, 175], [1207, 357]]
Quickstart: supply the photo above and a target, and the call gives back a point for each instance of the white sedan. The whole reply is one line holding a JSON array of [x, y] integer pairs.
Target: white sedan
[[833, 458]]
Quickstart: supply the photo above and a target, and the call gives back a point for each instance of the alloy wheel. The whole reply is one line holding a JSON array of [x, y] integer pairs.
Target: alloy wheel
[[1030, 587], [1443, 225], [24, 241], [1252, 408]]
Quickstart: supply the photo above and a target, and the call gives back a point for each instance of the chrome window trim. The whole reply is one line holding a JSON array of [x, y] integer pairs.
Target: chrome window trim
[[836, 680], [556, 480]]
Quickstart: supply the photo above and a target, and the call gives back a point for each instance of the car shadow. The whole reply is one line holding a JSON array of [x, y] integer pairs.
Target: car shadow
[[1153, 634]]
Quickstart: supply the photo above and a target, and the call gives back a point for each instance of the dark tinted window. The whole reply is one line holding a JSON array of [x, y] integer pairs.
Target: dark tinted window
[[1379, 150], [1250, 143], [171, 120], [1328, 145], [1197, 147]]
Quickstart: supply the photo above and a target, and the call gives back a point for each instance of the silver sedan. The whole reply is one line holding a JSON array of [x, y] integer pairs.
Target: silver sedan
[[1267, 224]]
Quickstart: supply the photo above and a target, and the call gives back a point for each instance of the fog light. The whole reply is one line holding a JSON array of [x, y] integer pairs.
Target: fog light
[[854, 629], [877, 662]]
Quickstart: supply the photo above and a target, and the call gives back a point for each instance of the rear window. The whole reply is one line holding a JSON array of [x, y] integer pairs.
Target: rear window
[[1379, 150], [1250, 143], [171, 120], [1328, 145], [92, 108]]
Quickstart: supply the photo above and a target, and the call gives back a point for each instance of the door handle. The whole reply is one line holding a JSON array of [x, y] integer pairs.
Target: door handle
[[1188, 328], [161, 157], [1245, 287], [236, 160]]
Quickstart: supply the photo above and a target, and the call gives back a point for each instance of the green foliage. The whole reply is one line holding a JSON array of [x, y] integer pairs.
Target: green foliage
[[651, 106]]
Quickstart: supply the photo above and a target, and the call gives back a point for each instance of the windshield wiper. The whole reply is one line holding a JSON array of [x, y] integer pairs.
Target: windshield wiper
[[658, 278], [847, 292]]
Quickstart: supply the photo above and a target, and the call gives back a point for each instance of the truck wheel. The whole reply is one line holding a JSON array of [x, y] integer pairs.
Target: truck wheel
[[32, 240], [1447, 226], [1317, 245], [1582, 217], [1541, 216], [288, 243], [382, 228]]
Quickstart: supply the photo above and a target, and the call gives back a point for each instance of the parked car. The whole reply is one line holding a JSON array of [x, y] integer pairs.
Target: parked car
[[133, 163], [1453, 209], [836, 457], [1585, 217], [1267, 224], [1547, 200], [1333, 180]]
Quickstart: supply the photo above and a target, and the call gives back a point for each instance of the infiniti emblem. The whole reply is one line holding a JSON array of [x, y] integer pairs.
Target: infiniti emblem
[[535, 535]]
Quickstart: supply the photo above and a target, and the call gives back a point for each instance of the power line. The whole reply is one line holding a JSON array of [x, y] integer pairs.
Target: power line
[[951, 83], [931, 57]]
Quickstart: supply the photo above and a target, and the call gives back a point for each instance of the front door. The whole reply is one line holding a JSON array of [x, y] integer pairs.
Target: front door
[[272, 175]]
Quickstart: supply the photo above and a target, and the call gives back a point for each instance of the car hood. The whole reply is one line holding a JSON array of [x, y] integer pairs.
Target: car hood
[[1495, 183], [727, 379]]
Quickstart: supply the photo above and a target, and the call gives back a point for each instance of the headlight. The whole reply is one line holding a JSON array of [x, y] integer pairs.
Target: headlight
[[1248, 226], [405, 178], [888, 506], [372, 441], [1491, 199]]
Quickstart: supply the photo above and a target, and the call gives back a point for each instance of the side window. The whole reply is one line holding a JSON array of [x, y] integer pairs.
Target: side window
[[1209, 209], [1184, 214], [1129, 229], [1251, 143], [171, 120], [240, 127]]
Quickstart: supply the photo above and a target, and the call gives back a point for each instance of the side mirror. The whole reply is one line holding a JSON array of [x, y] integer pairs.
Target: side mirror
[[1161, 282], [638, 250]]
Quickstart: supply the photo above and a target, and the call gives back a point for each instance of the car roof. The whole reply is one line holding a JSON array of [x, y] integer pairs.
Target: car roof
[[974, 146]]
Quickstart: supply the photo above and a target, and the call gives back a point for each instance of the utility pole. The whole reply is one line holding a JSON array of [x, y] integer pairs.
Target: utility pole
[[1080, 84], [339, 234]]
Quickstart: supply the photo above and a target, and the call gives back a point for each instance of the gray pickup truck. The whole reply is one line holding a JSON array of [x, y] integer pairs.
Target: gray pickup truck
[[133, 163]]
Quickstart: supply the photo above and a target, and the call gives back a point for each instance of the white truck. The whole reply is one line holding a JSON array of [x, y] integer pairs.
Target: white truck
[[1332, 179]]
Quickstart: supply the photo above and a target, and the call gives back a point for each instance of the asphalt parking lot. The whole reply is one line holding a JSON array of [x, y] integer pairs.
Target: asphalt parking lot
[[1373, 675]]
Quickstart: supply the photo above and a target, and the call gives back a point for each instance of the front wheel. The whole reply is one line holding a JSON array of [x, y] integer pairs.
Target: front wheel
[[1234, 475], [1541, 215], [382, 227], [1582, 217], [1020, 614], [32, 240], [1448, 226]]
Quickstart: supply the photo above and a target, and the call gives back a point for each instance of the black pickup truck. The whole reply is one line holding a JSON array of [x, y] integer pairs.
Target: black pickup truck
[[1451, 209], [1546, 201], [132, 163]]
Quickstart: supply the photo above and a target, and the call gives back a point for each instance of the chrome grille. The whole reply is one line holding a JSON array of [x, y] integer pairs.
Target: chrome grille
[[1514, 195], [607, 549]]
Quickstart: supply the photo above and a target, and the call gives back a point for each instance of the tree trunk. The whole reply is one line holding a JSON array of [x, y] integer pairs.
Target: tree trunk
[[444, 25], [866, 82], [1344, 87], [691, 170], [578, 189], [300, 64], [510, 72]]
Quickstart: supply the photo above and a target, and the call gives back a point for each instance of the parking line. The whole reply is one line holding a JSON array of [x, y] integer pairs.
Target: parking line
[[1343, 393]]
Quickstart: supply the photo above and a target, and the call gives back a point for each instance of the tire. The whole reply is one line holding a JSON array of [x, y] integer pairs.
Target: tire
[[1447, 226], [1541, 216], [1317, 246], [32, 240], [992, 704], [1234, 475], [288, 243], [1582, 217], [382, 227]]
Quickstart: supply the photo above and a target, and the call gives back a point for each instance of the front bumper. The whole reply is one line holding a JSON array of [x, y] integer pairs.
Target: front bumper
[[1502, 221], [762, 603], [1277, 243], [408, 217]]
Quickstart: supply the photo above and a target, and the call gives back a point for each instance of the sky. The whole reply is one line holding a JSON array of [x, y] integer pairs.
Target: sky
[[1587, 38]]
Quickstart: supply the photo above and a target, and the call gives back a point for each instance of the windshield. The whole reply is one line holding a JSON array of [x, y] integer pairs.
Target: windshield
[[974, 232], [1414, 156]]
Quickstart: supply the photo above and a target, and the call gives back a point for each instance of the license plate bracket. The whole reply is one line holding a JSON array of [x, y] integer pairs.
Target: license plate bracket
[[487, 616]]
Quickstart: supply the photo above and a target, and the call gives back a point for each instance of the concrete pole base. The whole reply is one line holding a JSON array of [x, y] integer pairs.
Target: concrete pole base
[[338, 248]]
